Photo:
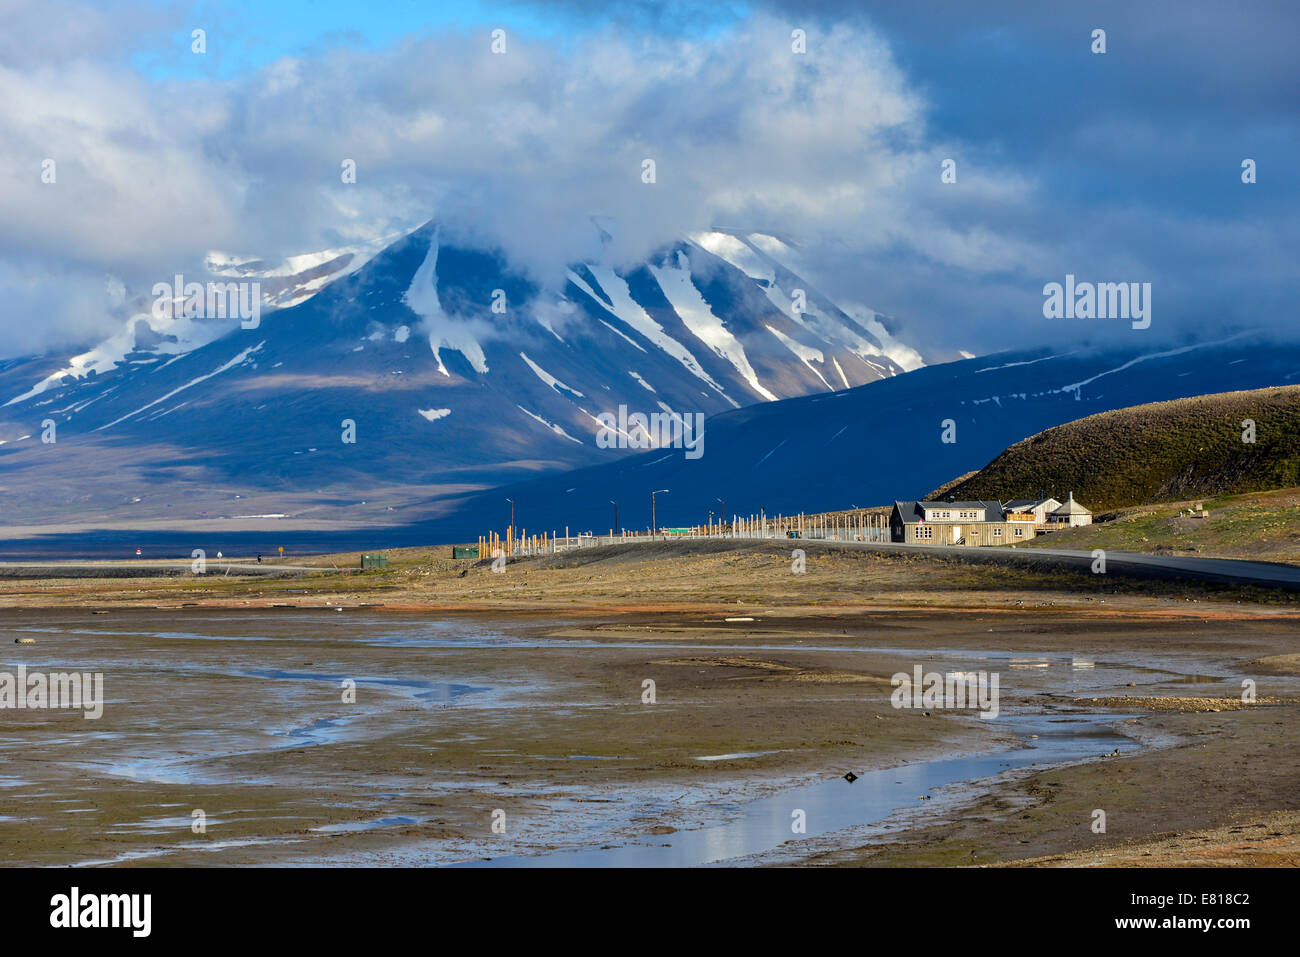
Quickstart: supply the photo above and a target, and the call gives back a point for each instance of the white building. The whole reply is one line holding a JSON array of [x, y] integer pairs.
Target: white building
[[1071, 514], [1042, 508]]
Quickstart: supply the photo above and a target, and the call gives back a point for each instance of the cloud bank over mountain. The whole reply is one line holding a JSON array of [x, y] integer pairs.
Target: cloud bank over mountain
[[838, 150]]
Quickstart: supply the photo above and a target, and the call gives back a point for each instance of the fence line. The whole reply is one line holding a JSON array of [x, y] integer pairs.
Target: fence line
[[860, 526]]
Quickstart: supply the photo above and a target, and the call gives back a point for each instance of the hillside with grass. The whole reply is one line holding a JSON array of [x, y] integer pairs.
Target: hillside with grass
[[1260, 526], [1161, 452]]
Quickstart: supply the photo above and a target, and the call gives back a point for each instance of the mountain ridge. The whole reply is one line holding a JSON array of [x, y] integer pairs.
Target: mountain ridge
[[440, 389]]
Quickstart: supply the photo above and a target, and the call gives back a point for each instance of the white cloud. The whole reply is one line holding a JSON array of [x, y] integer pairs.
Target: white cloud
[[517, 151]]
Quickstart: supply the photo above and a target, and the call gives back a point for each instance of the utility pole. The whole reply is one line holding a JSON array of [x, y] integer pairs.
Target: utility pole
[[654, 522], [512, 519], [723, 503], [615, 504]]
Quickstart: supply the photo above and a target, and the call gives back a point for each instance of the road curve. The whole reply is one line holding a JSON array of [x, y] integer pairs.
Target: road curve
[[1231, 571]]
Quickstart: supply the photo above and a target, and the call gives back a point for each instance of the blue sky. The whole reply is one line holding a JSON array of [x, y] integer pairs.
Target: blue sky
[[251, 34], [246, 34], [1123, 166]]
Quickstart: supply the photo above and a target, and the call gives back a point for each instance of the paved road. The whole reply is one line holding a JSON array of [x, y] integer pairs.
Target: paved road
[[1133, 564], [138, 569]]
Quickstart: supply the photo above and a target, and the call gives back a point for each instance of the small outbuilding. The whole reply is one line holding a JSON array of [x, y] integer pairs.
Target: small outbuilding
[[1071, 514]]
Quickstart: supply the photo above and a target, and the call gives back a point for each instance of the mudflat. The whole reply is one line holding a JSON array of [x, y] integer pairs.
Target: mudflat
[[229, 736]]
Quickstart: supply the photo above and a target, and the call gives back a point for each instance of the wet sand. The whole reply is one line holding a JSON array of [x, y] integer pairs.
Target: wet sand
[[238, 712], [1219, 790]]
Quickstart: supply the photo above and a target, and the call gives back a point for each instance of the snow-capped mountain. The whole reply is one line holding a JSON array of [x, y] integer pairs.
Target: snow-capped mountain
[[422, 366], [298, 278], [898, 438]]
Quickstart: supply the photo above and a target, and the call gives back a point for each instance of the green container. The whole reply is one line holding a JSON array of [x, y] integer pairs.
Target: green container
[[374, 561], [464, 551]]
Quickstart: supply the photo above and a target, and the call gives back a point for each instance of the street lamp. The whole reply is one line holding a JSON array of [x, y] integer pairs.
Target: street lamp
[[654, 523]]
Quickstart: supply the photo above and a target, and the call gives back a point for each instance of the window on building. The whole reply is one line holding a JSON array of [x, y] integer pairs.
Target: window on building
[[997, 533], [1019, 532], [924, 531]]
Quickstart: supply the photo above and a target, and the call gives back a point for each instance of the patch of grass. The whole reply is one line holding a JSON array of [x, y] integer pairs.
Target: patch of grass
[[1263, 526]]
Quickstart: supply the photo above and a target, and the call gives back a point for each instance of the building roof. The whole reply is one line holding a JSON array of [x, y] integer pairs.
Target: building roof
[[908, 512], [1071, 507], [913, 512], [1025, 504]]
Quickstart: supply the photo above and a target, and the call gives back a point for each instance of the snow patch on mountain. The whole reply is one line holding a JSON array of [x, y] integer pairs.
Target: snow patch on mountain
[[547, 313], [685, 298], [622, 335], [443, 331], [825, 327], [644, 384], [806, 354], [731, 250], [1076, 386], [237, 360], [843, 377], [550, 425], [318, 269], [549, 379], [173, 337], [768, 259], [903, 355], [629, 310]]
